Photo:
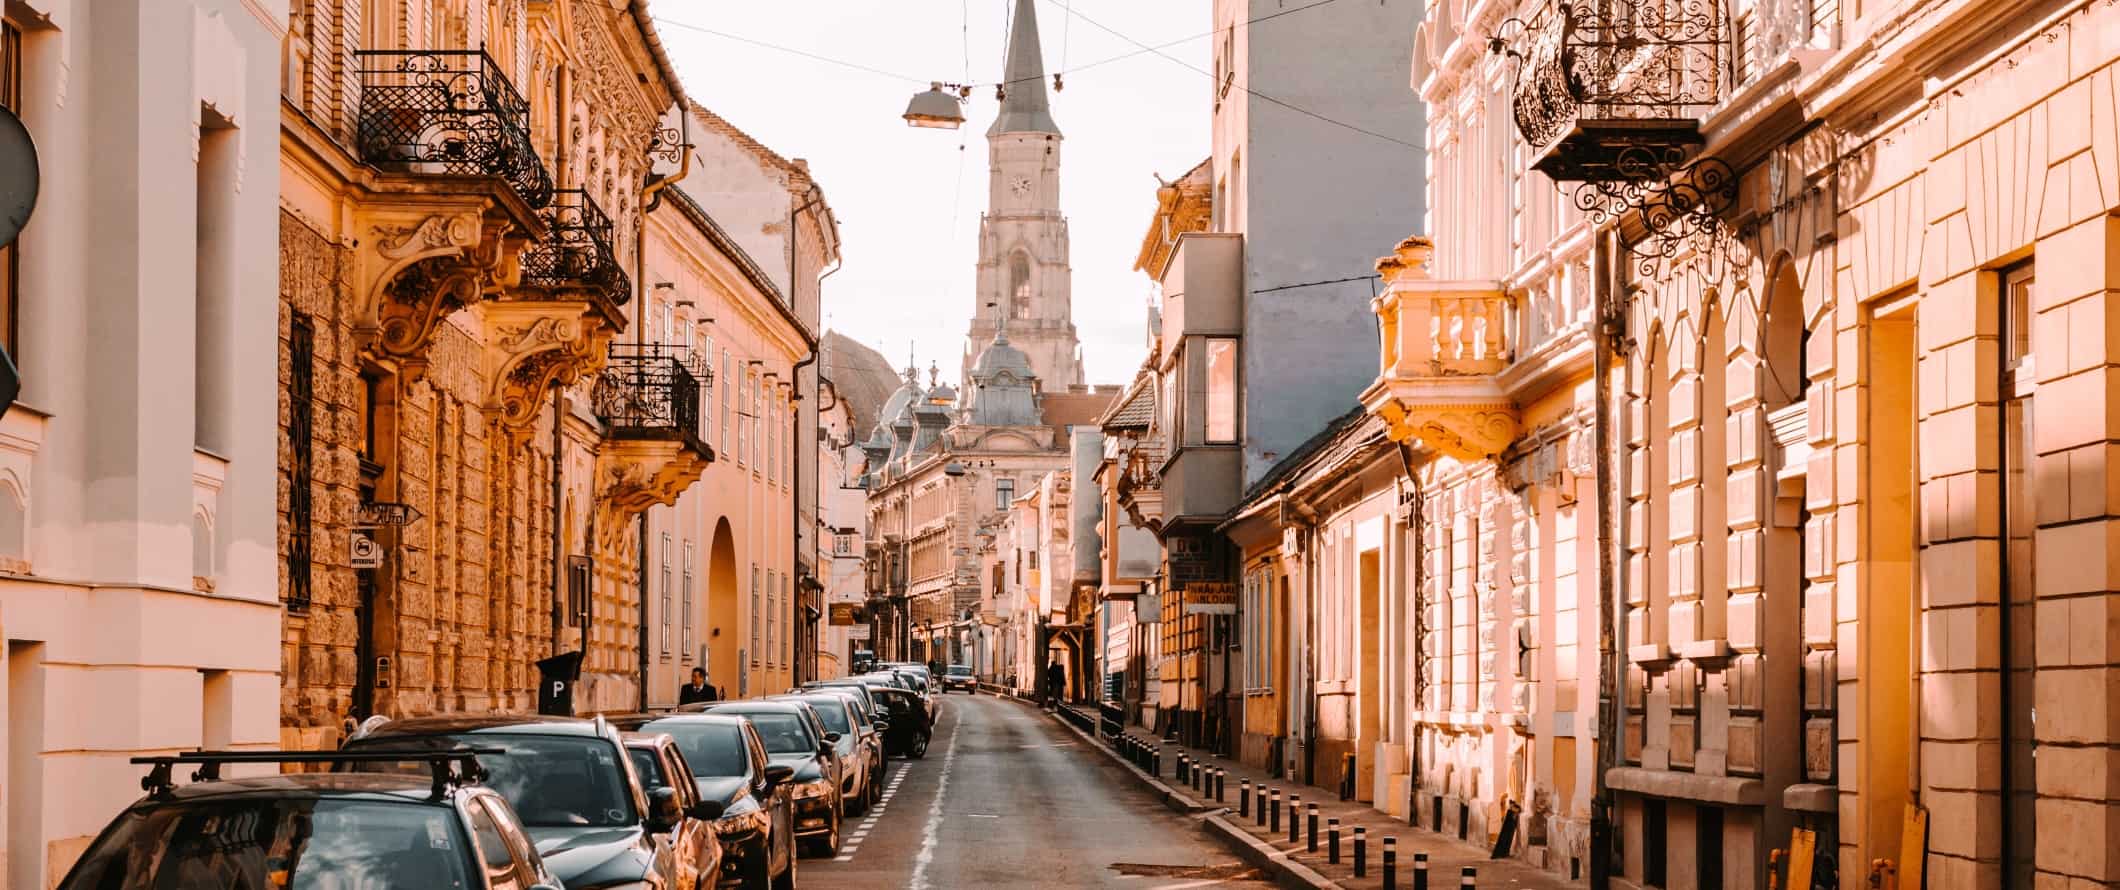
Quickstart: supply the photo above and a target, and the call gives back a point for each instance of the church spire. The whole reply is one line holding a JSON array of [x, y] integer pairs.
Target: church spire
[[1023, 104]]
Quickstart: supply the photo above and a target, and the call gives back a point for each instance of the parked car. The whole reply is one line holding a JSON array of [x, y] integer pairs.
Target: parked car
[[871, 722], [851, 685], [860, 781], [792, 738], [695, 850], [959, 676], [382, 831], [729, 765], [910, 728], [569, 779]]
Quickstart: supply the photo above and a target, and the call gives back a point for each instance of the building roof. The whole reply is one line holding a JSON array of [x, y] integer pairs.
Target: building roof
[[1134, 409], [1066, 409], [860, 376], [1343, 430], [1024, 108], [1185, 204]]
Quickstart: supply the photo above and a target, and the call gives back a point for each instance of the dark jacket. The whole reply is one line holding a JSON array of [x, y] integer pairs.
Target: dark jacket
[[688, 693], [1056, 679]]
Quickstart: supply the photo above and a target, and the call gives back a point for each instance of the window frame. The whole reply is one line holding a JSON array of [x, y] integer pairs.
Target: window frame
[[1212, 431]]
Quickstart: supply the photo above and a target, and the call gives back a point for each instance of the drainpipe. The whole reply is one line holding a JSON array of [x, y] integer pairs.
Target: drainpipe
[[643, 520], [1610, 321], [559, 532], [1416, 529]]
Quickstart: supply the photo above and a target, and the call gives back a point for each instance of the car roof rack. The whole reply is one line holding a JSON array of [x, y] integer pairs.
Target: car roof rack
[[451, 766]]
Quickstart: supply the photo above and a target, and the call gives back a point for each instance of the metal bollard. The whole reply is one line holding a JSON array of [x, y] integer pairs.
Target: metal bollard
[[1310, 816], [1244, 798], [1361, 851], [1332, 841], [1470, 877], [1181, 768], [1276, 826], [1197, 774], [1295, 818], [1420, 871], [1155, 763], [1391, 863], [1221, 785]]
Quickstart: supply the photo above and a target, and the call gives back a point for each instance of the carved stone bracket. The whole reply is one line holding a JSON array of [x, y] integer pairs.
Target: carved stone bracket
[[425, 261], [532, 347], [635, 474]]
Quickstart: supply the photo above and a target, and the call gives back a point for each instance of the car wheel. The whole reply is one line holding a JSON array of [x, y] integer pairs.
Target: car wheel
[[757, 870], [919, 747], [859, 803], [827, 846]]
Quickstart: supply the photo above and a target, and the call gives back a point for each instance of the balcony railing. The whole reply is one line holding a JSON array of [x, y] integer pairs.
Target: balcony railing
[[645, 392], [450, 113], [577, 253], [1615, 90]]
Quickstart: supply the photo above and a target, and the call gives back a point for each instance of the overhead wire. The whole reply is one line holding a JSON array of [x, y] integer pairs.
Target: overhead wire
[[1249, 91]]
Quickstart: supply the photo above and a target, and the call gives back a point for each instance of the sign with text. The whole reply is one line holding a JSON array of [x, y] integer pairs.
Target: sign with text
[[843, 614], [1210, 598], [858, 632], [362, 551]]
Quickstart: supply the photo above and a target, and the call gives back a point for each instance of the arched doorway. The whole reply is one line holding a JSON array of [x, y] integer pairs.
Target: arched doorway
[[724, 614]]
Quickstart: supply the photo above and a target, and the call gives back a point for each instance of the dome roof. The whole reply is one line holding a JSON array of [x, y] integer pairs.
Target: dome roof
[[999, 356]]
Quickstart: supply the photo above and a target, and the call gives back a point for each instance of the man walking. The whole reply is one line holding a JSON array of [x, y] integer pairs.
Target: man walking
[[697, 690], [1055, 684]]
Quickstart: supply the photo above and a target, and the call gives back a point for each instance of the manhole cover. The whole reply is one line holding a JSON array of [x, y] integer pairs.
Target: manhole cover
[[1231, 872]]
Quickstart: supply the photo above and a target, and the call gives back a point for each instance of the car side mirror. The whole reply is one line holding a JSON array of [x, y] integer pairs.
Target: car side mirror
[[709, 810], [883, 725], [831, 737], [663, 810], [778, 773]]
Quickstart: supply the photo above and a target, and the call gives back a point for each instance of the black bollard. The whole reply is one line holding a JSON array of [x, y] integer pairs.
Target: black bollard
[[1276, 826], [1295, 818], [1244, 798], [1221, 785], [1391, 863], [1155, 763], [1361, 851], [1181, 769], [1310, 817], [1470, 877], [1420, 871], [1332, 841]]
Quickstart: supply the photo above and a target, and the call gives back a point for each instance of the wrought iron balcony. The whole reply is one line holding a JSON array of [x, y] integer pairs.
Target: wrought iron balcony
[[447, 113], [1610, 90], [577, 253], [645, 393]]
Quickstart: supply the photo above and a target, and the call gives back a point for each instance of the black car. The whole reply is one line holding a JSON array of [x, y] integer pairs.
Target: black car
[[959, 676], [859, 782], [570, 780], [729, 764], [385, 831], [909, 728], [695, 847], [793, 738], [871, 722]]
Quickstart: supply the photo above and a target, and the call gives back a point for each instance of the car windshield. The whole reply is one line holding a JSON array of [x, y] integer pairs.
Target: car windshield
[[832, 713], [278, 845], [783, 733], [710, 749], [960, 670], [552, 781]]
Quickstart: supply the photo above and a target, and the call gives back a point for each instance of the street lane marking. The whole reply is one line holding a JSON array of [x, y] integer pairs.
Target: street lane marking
[[930, 836]]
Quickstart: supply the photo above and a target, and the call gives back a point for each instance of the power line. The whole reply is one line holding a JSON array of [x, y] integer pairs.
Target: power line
[[1268, 290], [673, 23], [1254, 93]]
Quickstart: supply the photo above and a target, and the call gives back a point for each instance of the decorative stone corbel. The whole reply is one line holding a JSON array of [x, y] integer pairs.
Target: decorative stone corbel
[[421, 267], [533, 347]]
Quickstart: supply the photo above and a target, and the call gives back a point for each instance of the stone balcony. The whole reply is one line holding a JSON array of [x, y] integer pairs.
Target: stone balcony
[[447, 195], [648, 402], [557, 325], [1444, 345]]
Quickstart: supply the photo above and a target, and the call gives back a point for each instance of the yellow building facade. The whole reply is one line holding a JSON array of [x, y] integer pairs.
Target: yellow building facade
[[469, 442]]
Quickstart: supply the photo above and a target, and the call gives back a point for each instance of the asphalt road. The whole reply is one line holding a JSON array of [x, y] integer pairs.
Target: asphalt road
[[1007, 798]]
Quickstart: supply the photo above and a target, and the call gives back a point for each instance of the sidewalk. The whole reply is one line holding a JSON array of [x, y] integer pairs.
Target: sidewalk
[[1297, 866]]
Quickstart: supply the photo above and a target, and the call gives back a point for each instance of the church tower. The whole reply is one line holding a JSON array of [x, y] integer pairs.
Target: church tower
[[1023, 271]]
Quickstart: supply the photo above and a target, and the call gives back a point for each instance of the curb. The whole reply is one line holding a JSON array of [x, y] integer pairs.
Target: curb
[[1286, 872]]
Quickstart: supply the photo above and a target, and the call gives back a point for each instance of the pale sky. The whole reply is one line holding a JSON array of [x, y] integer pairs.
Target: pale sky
[[907, 199]]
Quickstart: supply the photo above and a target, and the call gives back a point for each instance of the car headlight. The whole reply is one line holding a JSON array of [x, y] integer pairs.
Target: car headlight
[[819, 788]]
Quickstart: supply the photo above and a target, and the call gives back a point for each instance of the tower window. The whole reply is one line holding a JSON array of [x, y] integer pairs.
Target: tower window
[[1019, 276]]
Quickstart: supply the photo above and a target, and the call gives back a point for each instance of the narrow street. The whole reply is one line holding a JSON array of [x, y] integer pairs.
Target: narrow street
[[1006, 797]]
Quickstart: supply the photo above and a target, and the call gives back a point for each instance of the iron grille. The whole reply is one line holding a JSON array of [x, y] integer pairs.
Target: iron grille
[[447, 112], [645, 392], [577, 253], [301, 416], [1615, 90]]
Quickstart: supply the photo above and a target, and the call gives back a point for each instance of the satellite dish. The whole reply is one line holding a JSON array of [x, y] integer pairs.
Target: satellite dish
[[18, 176]]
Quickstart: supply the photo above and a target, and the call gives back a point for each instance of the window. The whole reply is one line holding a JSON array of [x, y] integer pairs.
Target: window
[[842, 544], [1256, 628], [666, 595], [757, 612], [685, 620], [772, 455], [2021, 615], [10, 98], [705, 358], [301, 416], [743, 421], [1004, 493], [728, 379], [1019, 276], [1171, 396], [578, 591], [1221, 390]]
